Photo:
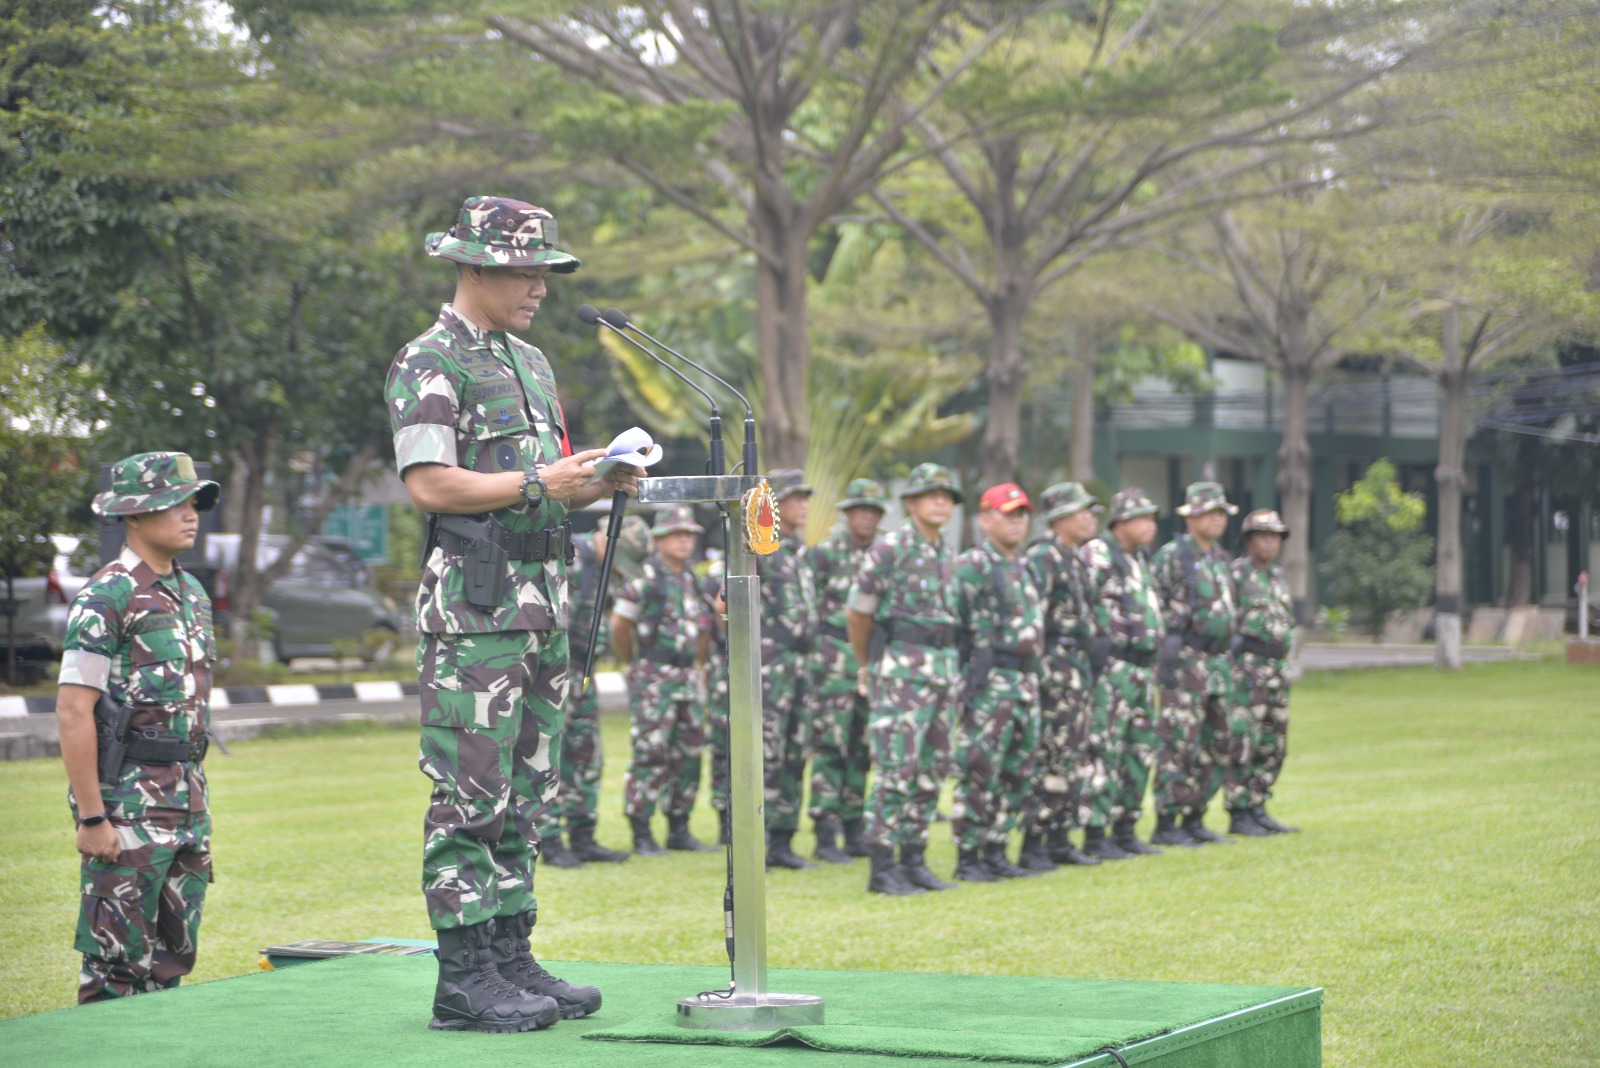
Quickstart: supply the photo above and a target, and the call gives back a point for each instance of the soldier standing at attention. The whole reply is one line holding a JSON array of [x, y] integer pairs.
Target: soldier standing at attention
[[1266, 629], [1066, 764], [840, 757], [481, 444], [580, 765], [786, 638], [139, 633], [1127, 632], [1194, 669], [903, 628], [1001, 636], [660, 630]]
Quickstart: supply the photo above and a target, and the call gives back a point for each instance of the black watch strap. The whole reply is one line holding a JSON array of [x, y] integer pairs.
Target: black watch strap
[[530, 480], [93, 821]]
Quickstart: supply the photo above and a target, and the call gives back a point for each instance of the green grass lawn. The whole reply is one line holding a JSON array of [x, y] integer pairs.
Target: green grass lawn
[[1445, 890]]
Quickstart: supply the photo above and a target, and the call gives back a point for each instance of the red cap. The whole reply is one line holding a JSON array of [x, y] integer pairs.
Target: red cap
[[1006, 497]]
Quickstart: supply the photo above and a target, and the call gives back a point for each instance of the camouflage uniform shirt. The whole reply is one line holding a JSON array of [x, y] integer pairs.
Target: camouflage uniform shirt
[[1196, 589], [1266, 611], [1123, 600], [907, 579], [485, 401], [833, 564], [668, 617], [1062, 578], [999, 606], [786, 601]]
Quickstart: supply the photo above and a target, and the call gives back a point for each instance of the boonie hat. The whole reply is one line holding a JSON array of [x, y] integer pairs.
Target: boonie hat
[[1066, 498], [865, 493], [786, 482], [633, 545], [153, 482], [499, 232], [925, 478], [1006, 498], [672, 519], [1203, 497], [1129, 504], [1265, 519]]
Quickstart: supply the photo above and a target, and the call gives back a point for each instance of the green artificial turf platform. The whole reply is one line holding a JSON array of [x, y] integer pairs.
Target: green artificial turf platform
[[373, 1010]]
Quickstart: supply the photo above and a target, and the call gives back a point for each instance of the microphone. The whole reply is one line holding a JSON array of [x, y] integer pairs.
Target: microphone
[[716, 460], [615, 318]]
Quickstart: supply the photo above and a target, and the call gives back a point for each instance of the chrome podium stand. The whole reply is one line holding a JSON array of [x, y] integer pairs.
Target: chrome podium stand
[[748, 1005]]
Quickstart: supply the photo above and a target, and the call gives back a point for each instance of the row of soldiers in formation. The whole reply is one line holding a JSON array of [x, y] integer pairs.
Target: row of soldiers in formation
[[1051, 679]]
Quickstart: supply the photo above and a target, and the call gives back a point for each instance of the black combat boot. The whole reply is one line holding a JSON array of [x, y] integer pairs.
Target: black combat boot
[[1097, 844], [1242, 823], [584, 847], [514, 961], [1035, 855], [852, 838], [724, 826], [886, 876], [1266, 821], [970, 867], [1195, 824], [1170, 834], [994, 855], [644, 843], [554, 852], [1129, 842], [828, 842], [678, 836], [473, 996], [781, 854], [1062, 851], [916, 870]]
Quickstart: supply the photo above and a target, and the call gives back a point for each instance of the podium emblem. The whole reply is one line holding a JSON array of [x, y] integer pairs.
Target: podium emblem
[[760, 510]]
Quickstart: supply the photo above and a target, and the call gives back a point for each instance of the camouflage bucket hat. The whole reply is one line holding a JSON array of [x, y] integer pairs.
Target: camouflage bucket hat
[[787, 481], [1129, 504], [1266, 520], [1066, 498], [865, 493], [676, 518], [497, 232], [1203, 497], [154, 482], [925, 478]]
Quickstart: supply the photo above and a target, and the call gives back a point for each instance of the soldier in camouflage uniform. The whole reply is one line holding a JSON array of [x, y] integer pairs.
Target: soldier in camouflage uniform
[[1261, 704], [903, 628], [139, 633], [660, 628], [1127, 633], [578, 797], [1001, 623], [840, 758], [786, 641], [1066, 762], [481, 444], [1194, 668]]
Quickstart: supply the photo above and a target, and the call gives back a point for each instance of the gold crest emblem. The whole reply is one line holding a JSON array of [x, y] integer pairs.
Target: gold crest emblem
[[760, 509]]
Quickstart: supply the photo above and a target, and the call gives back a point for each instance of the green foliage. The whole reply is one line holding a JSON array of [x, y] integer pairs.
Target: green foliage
[[1378, 561]]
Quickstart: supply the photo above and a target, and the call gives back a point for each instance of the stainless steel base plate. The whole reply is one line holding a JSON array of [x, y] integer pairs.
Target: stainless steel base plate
[[749, 1012]]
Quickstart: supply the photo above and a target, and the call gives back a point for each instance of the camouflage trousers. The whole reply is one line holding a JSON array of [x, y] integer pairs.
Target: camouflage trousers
[[139, 919], [1261, 717], [1193, 732], [718, 741], [1065, 763], [839, 755], [996, 737], [667, 736], [785, 734], [1123, 737], [577, 800], [910, 737], [492, 722]]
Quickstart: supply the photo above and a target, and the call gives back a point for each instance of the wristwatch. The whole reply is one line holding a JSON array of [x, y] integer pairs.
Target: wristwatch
[[93, 821], [533, 487]]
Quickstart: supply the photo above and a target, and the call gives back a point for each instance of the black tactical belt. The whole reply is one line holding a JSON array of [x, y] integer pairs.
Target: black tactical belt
[[916, 634], [837, 633], [666, 658], [150, 746], [1210, 646], [1015, 661], [787, 638], [1275, 650], [538, 545], [1137, 659], [1065, 642]]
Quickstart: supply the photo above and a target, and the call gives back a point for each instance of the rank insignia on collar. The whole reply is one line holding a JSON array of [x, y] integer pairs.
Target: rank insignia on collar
[[760, 510]]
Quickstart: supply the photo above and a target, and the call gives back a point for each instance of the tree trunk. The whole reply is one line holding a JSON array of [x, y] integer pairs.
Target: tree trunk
[[1006, 374], [1294, 482], [782, 332], [251, 465], [1449, 476], [1520, 518], [1082, 450]]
